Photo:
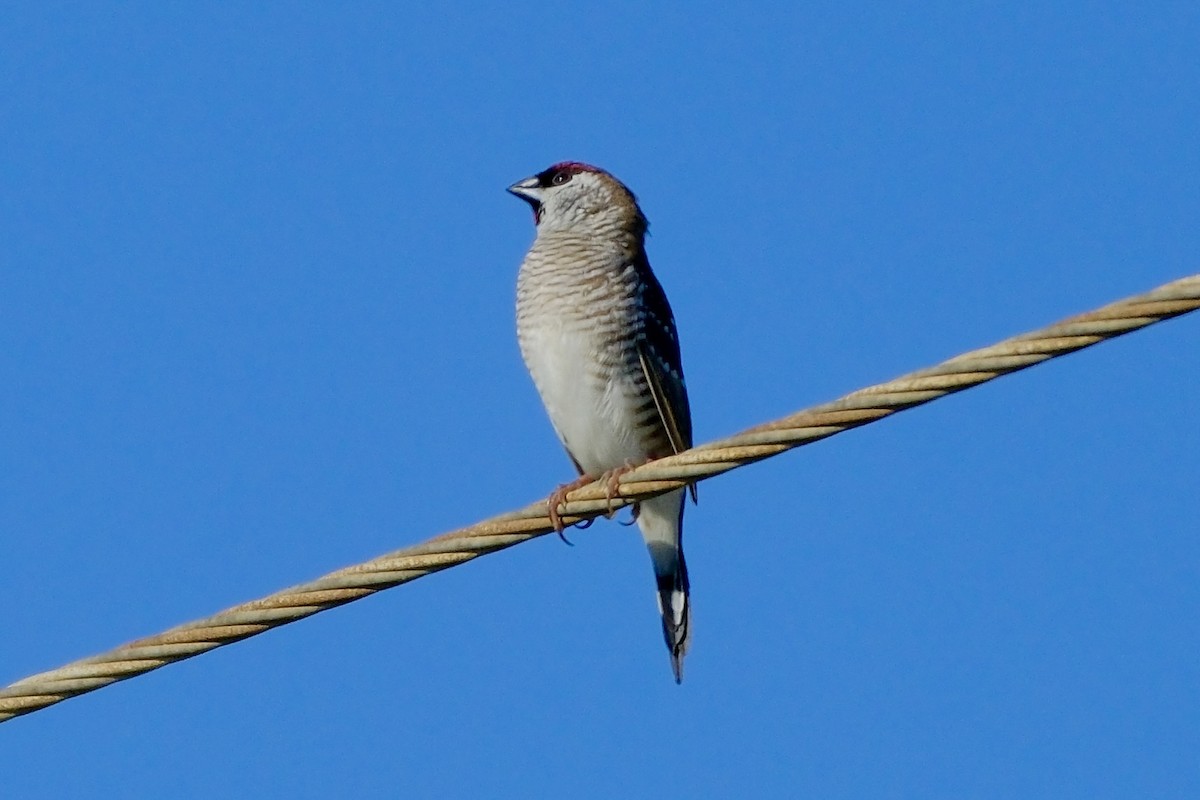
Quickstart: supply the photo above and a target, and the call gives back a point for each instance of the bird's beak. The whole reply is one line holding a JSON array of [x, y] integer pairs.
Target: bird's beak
[[528, 190]]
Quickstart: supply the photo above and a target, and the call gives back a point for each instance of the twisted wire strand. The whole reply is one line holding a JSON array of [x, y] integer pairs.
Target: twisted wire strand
[[763, 441]]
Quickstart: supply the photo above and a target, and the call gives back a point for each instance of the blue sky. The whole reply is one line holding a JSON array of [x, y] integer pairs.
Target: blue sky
[[256, 323]]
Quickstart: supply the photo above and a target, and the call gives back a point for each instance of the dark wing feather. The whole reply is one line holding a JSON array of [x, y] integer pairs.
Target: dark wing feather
[[658, 352]]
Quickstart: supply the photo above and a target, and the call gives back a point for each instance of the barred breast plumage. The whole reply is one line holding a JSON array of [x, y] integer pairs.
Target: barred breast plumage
[[578, 328]]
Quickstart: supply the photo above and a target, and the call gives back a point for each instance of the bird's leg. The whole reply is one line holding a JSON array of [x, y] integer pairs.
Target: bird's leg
[[612, 489], [612, 485], [559, 497]]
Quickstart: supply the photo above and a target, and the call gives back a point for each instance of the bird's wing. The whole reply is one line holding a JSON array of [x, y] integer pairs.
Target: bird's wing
[[658, 352]]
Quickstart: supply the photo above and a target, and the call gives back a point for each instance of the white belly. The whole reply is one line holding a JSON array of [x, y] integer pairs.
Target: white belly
[[588, 406]]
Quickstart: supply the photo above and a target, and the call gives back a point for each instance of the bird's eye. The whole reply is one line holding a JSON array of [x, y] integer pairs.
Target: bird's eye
[[560, 178]]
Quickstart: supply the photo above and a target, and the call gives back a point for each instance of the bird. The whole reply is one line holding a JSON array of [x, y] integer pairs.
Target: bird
[[599, 340]]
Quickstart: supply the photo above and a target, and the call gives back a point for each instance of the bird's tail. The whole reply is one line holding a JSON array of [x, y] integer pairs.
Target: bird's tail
[[661, 522]]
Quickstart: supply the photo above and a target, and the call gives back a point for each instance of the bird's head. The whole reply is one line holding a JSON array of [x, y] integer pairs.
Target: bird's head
[[576, 195]]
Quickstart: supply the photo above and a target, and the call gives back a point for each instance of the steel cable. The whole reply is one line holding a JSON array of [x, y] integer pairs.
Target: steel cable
[[763, 441]]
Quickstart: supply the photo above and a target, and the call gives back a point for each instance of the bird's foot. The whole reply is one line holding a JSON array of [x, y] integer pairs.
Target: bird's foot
[[559, 498], [612, 485]]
